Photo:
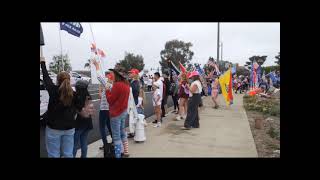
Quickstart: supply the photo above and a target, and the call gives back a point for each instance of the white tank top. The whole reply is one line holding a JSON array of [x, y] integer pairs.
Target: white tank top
[[198, 83]]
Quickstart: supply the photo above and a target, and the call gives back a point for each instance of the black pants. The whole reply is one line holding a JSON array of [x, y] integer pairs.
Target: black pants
[[192, 119], [175, 101], [149, 88], [163, 102]]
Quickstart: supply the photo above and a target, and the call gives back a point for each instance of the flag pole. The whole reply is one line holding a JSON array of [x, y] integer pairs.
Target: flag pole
[[61, 49], [102, 64], [41, 52]]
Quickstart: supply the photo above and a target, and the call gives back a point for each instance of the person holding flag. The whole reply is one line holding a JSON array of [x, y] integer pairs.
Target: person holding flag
[[192, 119]]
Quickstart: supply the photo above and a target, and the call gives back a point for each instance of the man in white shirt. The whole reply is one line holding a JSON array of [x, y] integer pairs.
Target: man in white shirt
[[159, 82]]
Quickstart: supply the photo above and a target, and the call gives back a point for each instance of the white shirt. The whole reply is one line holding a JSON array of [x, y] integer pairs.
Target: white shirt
[[160, 87], [150, 82], [155, 95], [139, 101], [199, 90]]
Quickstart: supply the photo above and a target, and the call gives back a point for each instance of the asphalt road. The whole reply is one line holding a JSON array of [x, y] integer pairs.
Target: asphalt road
[[94, 134]]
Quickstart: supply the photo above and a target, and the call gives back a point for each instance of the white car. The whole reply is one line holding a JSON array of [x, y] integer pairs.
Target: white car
[[76, 76]]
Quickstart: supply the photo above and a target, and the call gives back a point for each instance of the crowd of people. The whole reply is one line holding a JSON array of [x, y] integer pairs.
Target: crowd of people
[[122, 96]]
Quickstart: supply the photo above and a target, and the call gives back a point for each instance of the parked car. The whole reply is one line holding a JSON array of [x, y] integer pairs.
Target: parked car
[[76, 76]]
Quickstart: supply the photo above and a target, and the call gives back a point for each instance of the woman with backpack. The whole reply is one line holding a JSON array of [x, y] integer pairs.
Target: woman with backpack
[[61, 114], [85, 110]]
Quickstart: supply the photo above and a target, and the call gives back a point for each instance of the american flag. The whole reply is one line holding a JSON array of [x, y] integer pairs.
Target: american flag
[[211, 63], [93, 48], [101, 53]]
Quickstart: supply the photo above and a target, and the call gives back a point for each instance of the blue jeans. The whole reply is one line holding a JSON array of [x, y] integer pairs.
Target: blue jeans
[[118, 128], [104, 120], [81, 135], [140, 110], [57, 140]]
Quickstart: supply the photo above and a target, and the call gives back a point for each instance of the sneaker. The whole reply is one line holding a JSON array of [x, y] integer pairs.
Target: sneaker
[[179, 118], [185, 128], [124, 155], [157, 125], [131, 135]]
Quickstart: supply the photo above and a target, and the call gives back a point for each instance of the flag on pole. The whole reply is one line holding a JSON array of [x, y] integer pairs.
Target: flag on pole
[[255, 65], [174, 69], [225, 82], [94, 48], [94, 78], [182, 68], [74, 28], [101, 53], [234, 70]]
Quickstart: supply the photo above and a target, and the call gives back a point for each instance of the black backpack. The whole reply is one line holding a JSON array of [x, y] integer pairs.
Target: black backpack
[[108, 150]]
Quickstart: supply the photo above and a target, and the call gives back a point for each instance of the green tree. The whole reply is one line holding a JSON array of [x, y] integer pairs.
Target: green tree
[[241, 70], [268, 69], [278, 59], [260, 59], [131, 61], [175, 51], [60, 63], [88, 64]]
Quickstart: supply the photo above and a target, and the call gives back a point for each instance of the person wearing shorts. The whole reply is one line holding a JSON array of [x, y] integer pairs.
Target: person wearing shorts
[[215, 92]]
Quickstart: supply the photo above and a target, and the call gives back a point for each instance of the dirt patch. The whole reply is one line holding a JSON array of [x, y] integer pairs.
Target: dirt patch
[[267, 139]]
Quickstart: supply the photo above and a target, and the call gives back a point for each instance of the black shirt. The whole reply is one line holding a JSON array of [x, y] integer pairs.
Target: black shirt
[[60, 117]]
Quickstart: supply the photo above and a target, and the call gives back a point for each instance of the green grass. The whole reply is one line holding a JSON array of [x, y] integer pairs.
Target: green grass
[[265, 106], [273, 133]]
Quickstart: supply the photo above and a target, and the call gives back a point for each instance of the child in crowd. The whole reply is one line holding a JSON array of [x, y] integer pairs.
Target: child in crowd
[[140, 105]]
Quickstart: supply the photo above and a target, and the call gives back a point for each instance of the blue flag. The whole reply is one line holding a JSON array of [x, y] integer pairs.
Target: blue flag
[[234, 70], [273, 78], [73, 28]]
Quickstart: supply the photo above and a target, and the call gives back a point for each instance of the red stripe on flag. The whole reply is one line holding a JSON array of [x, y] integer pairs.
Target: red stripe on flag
[[230, 97]]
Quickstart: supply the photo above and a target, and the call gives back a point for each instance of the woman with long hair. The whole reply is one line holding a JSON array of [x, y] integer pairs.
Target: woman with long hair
[[61, 114], [183, 97], [192, 119], [83, 122], [118, 104]]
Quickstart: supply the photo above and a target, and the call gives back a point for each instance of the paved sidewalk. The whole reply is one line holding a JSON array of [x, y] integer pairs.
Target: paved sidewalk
[[223, 132]]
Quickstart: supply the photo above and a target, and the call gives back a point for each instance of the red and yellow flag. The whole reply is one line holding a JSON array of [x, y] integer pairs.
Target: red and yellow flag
[[226, 83]]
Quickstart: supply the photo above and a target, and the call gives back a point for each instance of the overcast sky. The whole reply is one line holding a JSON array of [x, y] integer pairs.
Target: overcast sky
[[240, 41]]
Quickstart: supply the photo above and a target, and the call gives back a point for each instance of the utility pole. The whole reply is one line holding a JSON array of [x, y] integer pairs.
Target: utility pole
[[218, 42], [221, 51]]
